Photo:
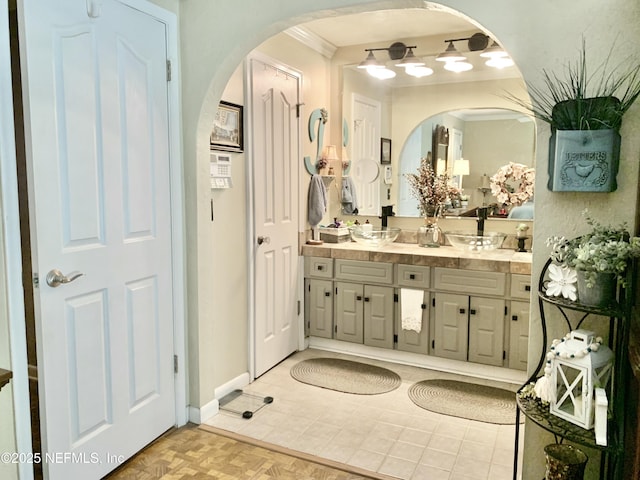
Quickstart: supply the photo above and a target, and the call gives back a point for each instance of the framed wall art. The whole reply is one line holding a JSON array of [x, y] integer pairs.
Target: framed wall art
[[227, 133], [385, 151]]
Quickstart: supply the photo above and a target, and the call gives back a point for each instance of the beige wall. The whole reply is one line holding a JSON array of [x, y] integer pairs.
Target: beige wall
[[217, 35]]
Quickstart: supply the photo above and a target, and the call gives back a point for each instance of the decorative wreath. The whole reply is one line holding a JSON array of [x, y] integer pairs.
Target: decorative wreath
[[517, 172]]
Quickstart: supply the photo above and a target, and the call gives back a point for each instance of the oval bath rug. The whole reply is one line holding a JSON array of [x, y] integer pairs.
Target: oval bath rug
[[346, 376], [465, 400]]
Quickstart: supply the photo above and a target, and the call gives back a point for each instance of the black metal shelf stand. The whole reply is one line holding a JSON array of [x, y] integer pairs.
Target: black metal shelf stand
[[619, 314]]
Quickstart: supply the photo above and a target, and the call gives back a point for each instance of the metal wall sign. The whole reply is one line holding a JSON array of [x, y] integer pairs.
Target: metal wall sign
[[583, 160]]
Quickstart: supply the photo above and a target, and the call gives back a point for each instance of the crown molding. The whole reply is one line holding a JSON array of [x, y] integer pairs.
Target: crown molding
[[311, 40]]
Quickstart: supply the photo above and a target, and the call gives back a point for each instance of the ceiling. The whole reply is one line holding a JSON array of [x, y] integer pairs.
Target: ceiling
[[386, 26]]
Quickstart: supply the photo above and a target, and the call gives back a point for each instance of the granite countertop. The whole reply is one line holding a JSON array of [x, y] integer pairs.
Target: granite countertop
[[500, 260]]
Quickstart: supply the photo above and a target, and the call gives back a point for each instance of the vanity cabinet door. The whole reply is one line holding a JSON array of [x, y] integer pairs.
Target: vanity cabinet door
[[519, 335], [378, 316], [410, 340], [319, 307], [451, 326], [486, 330], [349, 312]]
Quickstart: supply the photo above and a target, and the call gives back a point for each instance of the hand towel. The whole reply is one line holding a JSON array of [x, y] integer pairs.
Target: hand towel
[[317, 200], [348, 197], [411, 306]]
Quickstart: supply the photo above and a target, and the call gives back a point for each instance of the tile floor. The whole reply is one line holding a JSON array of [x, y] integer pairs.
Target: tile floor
[[384, 433]]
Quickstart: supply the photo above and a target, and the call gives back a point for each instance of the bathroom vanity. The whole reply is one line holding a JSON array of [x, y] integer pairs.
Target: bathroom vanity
[[474, 306]]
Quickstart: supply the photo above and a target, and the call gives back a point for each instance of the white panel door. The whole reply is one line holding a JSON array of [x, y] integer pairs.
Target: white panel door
[[365, 154], [96, 122], [276, 159]]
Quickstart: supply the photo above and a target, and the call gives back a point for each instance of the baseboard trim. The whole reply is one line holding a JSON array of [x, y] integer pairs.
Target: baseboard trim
[[199, 415], [469, 369], [239, 382], [297, 454]]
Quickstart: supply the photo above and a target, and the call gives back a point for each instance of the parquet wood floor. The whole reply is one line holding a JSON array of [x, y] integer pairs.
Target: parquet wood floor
[[192, 453]]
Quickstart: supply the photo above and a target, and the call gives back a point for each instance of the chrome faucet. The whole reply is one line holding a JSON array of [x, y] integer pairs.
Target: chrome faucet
[[482, 216], [387, 211]]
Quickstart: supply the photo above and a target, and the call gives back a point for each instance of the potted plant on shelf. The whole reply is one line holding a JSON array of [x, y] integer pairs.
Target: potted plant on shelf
[[599, 259], [585, 113]]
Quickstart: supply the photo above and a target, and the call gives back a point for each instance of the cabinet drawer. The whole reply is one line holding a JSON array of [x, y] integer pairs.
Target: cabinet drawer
[[521, 286], [366, 272], [412, 276], [318, 267], [470, 281]]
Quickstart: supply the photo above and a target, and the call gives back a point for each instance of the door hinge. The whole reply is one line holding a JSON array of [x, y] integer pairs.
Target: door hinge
[[395, 297], [175, 364], [298, 105], [505, 310], [335, 328], [168, 70], [433, 344], [298, 307], [36, 281], [504, 354], [433, 302], [395, 339]]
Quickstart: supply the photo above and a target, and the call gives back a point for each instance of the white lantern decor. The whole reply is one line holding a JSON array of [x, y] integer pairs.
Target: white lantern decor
[[580, 363]]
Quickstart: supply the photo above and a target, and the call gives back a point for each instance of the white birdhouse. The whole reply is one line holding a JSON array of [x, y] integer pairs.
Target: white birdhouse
[[580, 364]]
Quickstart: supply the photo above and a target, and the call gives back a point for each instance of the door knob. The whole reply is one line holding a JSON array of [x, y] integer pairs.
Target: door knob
[[55, 277], [262, 240]]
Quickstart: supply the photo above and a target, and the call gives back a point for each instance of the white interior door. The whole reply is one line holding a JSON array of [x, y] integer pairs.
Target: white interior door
[[276, 158], [365, 154], [96, 120]]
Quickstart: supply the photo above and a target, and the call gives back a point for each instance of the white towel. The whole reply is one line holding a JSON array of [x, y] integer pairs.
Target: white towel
[[317, 200], [411, 305]]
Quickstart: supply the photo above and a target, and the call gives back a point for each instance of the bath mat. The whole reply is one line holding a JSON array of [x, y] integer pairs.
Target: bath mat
[[465, 400], [345, 376]]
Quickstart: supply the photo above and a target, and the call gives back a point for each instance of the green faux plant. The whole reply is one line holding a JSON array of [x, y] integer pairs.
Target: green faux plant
[[580, 99], [604, 249]]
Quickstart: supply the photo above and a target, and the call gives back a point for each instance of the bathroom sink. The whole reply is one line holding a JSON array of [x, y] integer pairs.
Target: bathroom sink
[[374, 236], [472, 242]]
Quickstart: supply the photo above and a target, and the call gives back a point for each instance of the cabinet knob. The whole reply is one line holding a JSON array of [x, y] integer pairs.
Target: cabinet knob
[[462, 310], [514, 318], [358, 297], [327, 294], [412, 276], [366, 299], [472, 311], [320, 267], [527, 288]]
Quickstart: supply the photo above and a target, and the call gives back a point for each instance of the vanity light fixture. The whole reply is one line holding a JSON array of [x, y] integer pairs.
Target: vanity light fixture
[[496, 56], [396, 51], [451, 54], [454, 61]]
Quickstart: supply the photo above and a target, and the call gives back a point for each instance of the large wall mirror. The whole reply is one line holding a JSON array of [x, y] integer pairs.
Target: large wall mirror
[[487, 138], [448, 119]]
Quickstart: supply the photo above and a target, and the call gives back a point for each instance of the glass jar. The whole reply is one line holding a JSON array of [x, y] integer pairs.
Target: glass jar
[[430, 234]]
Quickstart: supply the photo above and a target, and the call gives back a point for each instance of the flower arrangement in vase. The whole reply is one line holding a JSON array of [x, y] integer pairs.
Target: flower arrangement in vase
[[603, 252], [429, 189]]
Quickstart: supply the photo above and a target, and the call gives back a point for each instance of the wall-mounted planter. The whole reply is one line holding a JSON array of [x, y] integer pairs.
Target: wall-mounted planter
[[583, 160]]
